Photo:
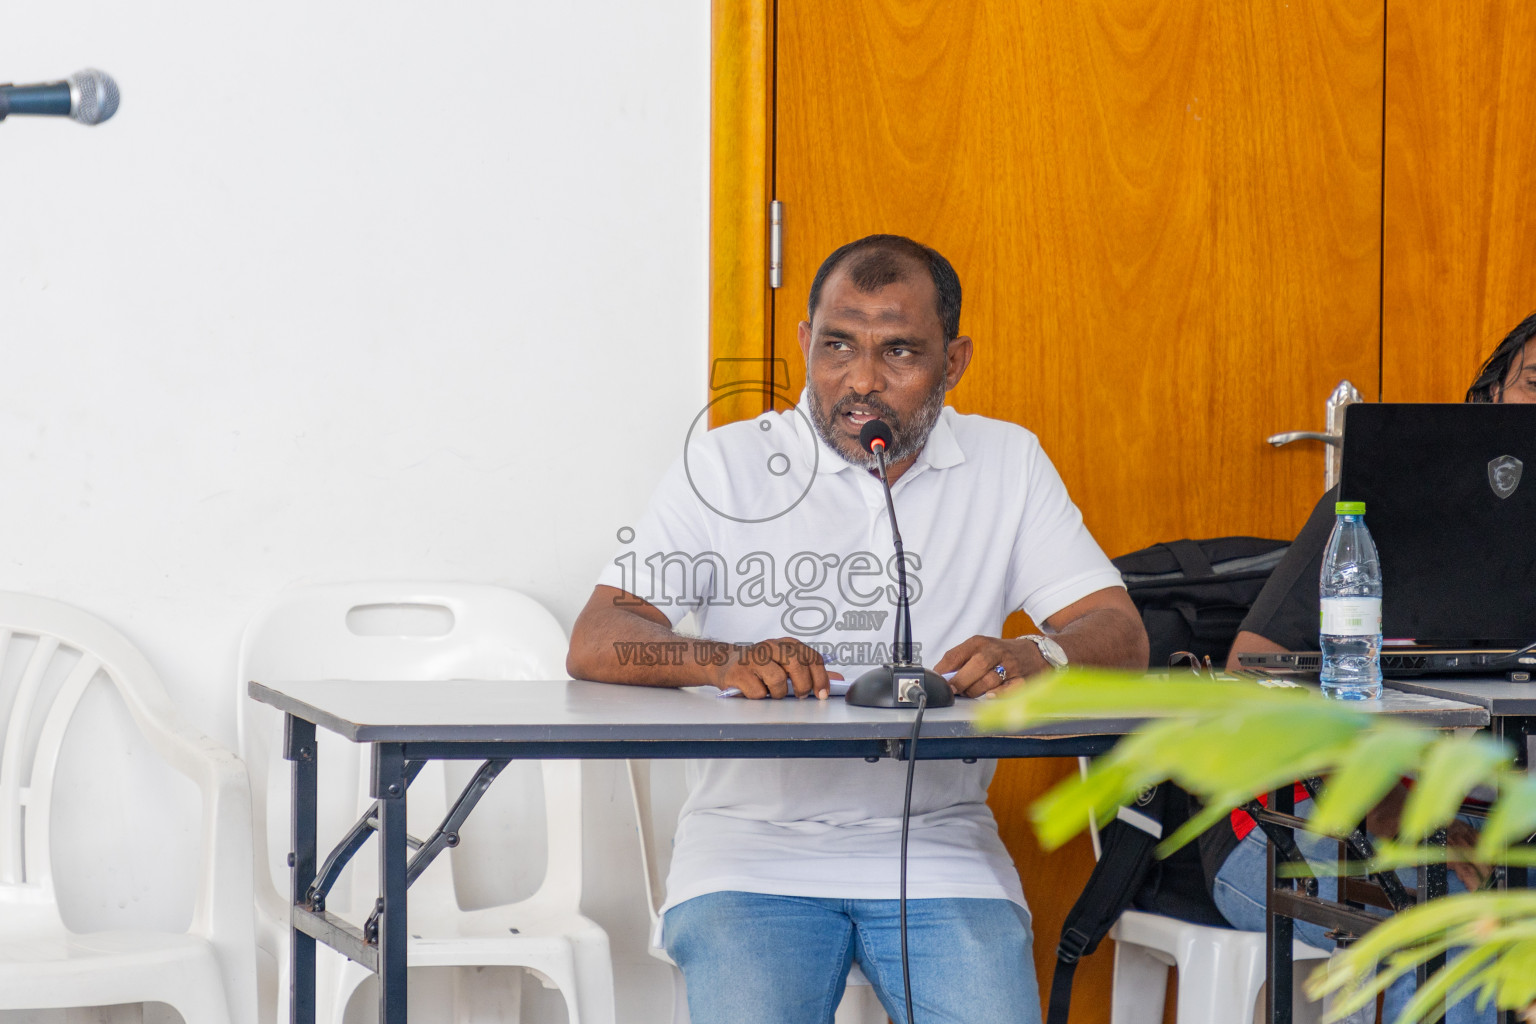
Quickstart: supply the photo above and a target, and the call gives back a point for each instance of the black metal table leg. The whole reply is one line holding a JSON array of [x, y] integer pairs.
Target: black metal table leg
[[1279, 929], [1518, 732], [1433, 884], [299, 747], [388, 787]]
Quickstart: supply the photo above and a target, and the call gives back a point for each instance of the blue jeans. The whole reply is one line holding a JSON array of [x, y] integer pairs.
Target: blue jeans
[[749, 958], [1239, 892]]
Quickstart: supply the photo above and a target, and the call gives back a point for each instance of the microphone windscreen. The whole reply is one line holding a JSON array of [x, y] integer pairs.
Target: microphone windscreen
[[93, 96], [875, 430]]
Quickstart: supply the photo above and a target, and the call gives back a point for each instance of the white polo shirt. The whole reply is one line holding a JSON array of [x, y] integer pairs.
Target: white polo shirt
[[764, 531]]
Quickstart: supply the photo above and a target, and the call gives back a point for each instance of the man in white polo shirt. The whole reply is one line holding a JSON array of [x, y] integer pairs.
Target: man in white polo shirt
[[774, 533]]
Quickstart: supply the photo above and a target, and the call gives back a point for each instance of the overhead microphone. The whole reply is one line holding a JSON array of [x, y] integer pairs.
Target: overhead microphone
[[896, 684], [88, 96]]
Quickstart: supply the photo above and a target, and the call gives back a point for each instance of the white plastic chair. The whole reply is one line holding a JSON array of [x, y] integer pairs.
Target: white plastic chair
[[1221, 970], [463, 911], [50, 652], [659, 790]]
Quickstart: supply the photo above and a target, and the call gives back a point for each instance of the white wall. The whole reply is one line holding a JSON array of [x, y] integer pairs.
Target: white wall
[[345, 291]]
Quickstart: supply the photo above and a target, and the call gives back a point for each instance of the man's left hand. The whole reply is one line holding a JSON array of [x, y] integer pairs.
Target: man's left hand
[[1103, 628], [976, 663]]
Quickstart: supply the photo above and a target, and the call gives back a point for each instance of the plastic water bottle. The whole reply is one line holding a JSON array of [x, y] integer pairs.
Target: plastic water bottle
[[1350, 588]]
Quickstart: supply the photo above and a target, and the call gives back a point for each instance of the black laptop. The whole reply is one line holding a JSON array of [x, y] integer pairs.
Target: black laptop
[[1450, 499]]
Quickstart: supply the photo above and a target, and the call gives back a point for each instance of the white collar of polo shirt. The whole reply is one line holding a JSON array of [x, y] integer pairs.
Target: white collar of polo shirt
[[941, 451]]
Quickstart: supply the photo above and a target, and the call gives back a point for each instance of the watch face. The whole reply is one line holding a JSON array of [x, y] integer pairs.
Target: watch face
[[1051, 651]]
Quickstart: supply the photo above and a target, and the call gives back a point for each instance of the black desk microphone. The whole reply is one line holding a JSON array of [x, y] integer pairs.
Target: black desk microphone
[[899, 683]]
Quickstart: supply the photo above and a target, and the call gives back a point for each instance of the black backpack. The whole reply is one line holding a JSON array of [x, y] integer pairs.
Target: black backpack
[[1192, 596], [1128, 875]]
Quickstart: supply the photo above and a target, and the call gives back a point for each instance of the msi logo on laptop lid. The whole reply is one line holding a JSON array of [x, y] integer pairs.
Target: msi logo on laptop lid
[[1504, 475]]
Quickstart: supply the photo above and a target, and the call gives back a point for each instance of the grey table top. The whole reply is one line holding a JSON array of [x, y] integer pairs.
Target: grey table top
[[554, 710], [1497, 695], [576, 710]]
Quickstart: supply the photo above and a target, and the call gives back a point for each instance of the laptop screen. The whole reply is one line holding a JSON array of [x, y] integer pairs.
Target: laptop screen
[[1450, 499]]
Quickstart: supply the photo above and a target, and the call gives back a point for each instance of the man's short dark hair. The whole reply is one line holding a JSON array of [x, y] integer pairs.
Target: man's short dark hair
[[1490, 379], [878, 260]]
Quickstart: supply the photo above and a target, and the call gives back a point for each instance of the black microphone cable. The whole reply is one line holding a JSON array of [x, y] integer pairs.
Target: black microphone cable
[[906, 820], [876, 438]]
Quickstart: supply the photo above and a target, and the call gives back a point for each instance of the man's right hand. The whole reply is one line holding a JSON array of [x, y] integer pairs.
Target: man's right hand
[[775, 668], [614, 621]]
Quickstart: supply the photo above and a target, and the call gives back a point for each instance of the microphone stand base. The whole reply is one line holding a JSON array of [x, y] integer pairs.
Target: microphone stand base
[[881, 687]]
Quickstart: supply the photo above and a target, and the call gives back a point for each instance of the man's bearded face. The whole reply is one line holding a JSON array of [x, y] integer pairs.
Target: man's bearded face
[[908, 437], [876, 355]]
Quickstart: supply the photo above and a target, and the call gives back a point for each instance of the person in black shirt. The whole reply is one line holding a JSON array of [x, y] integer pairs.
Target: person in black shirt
[[1285, 618]]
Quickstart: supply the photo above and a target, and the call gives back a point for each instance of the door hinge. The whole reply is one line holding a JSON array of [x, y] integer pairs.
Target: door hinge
[[775, 244]]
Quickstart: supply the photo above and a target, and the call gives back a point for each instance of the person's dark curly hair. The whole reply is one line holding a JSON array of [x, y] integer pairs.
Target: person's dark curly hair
[[1490, 379]]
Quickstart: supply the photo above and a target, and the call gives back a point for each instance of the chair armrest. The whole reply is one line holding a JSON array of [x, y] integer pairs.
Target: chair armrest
[[224, 909]]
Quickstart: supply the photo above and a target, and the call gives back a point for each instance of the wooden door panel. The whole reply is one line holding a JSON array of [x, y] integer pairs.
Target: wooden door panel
[[1166, 259], [1458, 217], [1166, 216]]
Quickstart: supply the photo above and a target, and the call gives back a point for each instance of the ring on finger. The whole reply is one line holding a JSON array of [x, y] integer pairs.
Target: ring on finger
[[1002, 673]]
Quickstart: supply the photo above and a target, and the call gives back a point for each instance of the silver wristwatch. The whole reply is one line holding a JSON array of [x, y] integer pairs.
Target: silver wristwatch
[[1050, 650]]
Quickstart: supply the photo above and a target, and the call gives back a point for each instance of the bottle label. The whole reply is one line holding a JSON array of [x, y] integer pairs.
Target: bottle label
[[1351, 616]]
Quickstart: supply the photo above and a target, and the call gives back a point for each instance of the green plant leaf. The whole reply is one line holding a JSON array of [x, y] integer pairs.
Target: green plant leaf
[[1459, 978], [1188, 832], [1511, 819], [1418, 927], [1064, 811], [1517, 969], [1226, 742], [1452, 767], [1350, 990], [1390, 856], [1090, 693], [1367, 772], [1240, 740]]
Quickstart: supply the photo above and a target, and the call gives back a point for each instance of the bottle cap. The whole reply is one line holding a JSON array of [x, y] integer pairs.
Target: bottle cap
[[1349, 508]]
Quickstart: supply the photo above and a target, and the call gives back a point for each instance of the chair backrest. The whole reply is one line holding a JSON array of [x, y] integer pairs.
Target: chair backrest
[[50, 653], [530, 820]]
